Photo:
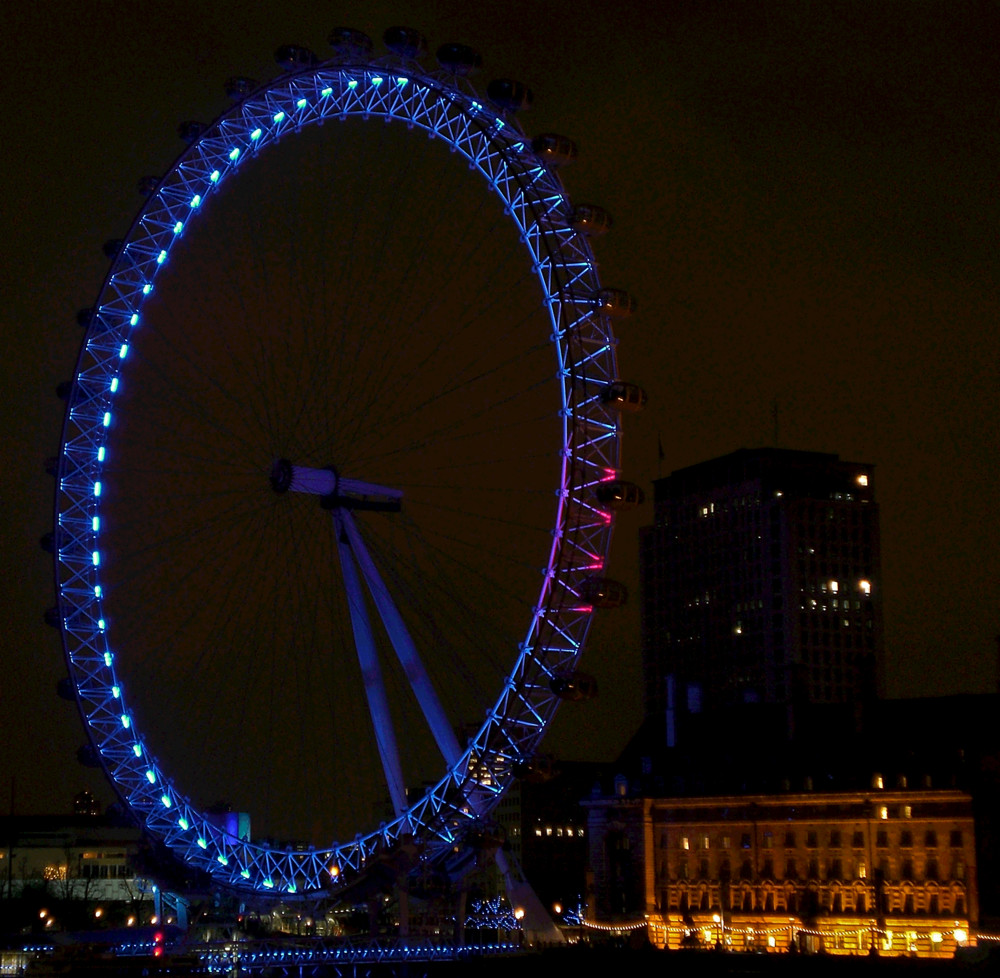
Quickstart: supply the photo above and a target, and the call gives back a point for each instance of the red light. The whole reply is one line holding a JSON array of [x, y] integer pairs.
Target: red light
[[157, 951]]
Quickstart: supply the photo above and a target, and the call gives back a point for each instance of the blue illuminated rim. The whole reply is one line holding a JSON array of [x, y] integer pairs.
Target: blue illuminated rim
[[493, 144]]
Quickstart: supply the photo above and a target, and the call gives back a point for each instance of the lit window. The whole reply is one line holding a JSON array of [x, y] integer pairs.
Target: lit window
[[538, 831], [834, 586], [862, 480], [865, 587], [685, 842], [877, 781], [883, 812], [907, 811], [548, 830]]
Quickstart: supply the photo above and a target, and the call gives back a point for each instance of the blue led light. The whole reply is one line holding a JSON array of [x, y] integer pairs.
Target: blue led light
[[95, 523], [137, 750], [97, 488], [114, 384], [269, 883], [166, 801], [107, 418], [101, 452], [98, 591], [96, 558], [161, 258], [477, 106], [214, 177], [202, 843], [108, 658], [245, 873], [134, 320], [499, 123], [291, 889], [234, 154], [100, 624], [327, 92], [183, 823], [402, 82], [116, 692], [222, 860], [147, 288], [376, 80], [126, 721], [302, 103], [353, 83], [123, 352], [150, 777], [178, 227], [196, 201], [279, 117], [256, 134]]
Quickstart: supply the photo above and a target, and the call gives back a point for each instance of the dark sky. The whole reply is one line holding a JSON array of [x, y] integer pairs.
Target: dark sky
[[806, 208]]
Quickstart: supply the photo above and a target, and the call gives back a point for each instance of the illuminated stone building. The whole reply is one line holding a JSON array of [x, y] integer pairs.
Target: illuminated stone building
[[835, 871], [760, 585]]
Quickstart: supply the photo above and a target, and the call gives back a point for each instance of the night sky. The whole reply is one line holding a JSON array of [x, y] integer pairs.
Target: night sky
[[806, 209]]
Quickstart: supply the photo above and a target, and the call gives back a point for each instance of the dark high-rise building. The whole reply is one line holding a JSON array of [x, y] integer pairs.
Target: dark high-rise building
[[760, 584]]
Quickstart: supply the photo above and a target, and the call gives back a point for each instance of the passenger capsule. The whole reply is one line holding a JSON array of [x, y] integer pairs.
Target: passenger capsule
[[591, 220], [624, 396], [112, 246], [406, 42], [459, 59], [602, 592], [620, 495], [349, 43], [535, 770], [239, 87], [147, 185], [294, 56], [88, 756], [553, 149], [65, 689], [616, 303], [510, 95], [190, 130], [574, 686]]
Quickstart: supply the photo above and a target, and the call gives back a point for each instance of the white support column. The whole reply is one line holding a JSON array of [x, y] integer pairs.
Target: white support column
[[371, 671], [406, 651]]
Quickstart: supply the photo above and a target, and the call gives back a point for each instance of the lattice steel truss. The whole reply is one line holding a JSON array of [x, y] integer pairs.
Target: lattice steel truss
[[494, 145]]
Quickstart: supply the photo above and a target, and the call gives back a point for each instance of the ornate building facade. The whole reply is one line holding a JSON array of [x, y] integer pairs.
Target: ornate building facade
[[889, 872]]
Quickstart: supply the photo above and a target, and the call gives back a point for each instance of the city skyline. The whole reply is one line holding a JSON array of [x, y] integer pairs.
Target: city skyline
[[803, 208]]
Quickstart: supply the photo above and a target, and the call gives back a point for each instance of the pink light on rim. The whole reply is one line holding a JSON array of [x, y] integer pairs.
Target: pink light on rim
[[598, 566], [584, 609], [610, 475]]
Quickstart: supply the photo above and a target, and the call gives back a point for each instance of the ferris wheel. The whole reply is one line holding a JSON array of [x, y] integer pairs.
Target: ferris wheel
[[339, 470]]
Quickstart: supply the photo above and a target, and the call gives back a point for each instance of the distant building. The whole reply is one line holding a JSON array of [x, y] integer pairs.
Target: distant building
[[760, 585], [74, 857], [881, 871], [544, 827]]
